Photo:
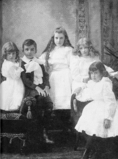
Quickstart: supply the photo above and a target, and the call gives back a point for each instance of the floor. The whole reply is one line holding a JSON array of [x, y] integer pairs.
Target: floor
[[63, 148]]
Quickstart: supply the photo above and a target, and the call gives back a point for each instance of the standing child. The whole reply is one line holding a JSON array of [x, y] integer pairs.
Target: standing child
[[56, 57], [100, 116], [36, 83], [12, 88], [57, 62]]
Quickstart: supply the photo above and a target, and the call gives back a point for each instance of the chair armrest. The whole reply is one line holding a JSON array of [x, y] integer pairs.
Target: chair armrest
[[27, 106]]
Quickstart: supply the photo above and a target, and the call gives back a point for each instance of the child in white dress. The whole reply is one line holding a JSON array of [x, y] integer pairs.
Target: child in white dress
[[12, 88], [85, 55], [99, 117], [56, 58]]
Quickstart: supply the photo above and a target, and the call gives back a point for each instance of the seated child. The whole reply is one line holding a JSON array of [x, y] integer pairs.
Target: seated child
[[36, 83], [11, 88], [85, 55], [100, 116]]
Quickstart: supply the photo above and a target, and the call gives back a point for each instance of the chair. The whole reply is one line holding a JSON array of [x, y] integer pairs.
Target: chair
[[15, 124]]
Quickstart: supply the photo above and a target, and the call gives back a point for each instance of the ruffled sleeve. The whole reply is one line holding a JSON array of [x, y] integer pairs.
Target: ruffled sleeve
[[109, 99], [11, 70]]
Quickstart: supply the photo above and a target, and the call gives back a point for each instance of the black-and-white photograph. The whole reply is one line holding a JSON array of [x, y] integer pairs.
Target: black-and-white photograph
[[59, 79]]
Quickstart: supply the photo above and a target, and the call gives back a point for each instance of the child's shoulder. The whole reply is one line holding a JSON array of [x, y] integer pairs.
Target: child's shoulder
[[24, 59], [68, 48], [106, 82], [7, 63]]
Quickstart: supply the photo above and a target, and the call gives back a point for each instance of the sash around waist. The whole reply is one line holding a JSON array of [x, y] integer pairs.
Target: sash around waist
[[60, 68]]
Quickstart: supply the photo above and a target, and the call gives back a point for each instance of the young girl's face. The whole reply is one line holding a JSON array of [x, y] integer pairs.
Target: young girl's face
[[29, 51], [96, 76], [84, 50], [11, 56], [59, 39]]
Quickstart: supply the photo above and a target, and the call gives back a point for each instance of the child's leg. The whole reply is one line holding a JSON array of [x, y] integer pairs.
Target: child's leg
[[92, 148], [47, 110], [88, 147], [79, 141]]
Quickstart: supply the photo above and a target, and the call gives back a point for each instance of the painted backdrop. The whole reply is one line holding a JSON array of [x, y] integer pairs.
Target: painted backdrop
[[36, 19]]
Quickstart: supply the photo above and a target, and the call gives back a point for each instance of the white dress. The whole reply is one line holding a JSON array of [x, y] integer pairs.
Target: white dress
[[12, 89], [103, 106], [60, 77]]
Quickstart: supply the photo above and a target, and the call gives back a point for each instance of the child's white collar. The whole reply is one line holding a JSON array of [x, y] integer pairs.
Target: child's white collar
[[26, 60], [32, 65]]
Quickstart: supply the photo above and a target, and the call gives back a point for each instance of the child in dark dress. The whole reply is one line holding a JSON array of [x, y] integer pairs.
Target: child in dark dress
[[36, 84]]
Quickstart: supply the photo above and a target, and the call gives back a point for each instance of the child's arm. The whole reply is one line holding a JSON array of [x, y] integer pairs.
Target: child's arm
[[47, 90], [85, 80], [114, 74], [107, 123], [27, 78], [40, 91], [77, 90], [45, 84], [109, 99], [111, 72], [12, 72], [46, 81]]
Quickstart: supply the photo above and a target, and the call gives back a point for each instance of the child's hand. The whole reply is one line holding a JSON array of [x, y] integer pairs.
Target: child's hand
[[47, 90], [116, 75], [85, 80], [50, 69], [40, 91], [77, 91], [75, 105], [107, 123]]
